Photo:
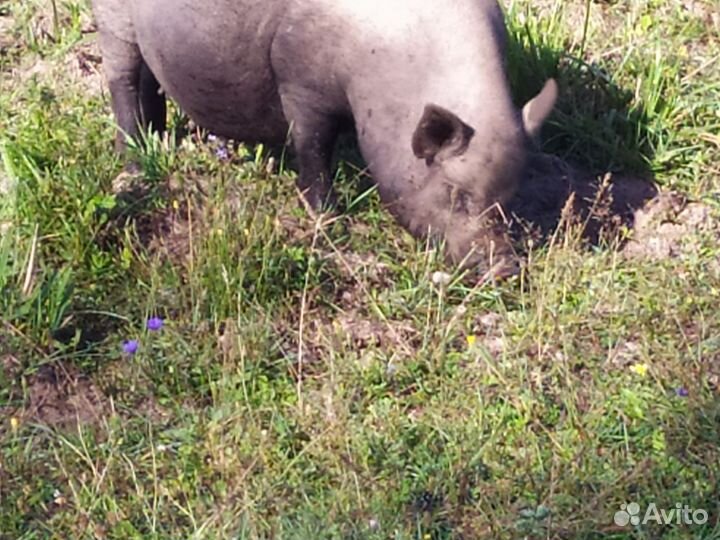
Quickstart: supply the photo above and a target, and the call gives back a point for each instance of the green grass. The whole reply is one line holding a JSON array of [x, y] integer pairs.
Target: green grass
[[311, 381]]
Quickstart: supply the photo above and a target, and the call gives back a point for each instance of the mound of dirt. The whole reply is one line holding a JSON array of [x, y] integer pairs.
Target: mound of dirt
[[670, 226], [58, 395], [555, 190], [661, 223]]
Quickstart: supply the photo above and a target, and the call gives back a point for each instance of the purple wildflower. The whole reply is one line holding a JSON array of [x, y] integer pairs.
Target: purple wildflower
[[222, 153], [130, 347], [154, 324], [682, 392]]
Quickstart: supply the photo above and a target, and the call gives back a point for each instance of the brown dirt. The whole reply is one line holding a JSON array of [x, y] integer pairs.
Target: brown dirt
[[555, 190], [165, 232], [169, 234], [670, 226], [356, 322], [10, 366], [662, 223], [6, 38], [353, 324], [58, 395], [79, 69], [84, 65], [487, 327]]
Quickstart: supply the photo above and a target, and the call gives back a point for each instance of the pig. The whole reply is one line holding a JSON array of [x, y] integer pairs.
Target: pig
[[423, 83]]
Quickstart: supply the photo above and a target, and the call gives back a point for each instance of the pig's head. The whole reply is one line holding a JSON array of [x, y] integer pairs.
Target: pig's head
[[471, 171]]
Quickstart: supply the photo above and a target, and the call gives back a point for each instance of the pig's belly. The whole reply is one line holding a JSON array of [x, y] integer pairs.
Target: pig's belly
[[218, 76], [232, 107]]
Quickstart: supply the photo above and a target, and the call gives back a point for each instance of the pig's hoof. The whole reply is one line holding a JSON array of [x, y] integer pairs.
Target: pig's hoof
[[317, 203]]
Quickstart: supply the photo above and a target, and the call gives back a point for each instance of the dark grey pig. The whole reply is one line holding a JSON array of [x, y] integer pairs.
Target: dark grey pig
[[423, 81]]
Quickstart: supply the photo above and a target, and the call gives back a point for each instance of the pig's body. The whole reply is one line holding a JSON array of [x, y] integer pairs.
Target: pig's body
[[423, 81]]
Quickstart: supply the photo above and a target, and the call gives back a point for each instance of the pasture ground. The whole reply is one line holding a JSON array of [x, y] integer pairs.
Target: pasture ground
[[311, 379]]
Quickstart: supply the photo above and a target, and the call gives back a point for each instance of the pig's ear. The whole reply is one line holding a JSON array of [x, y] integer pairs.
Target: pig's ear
[[538, 108], [440, 134]]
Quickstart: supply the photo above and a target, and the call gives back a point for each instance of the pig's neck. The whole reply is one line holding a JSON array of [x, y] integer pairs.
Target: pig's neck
[[385, 138]]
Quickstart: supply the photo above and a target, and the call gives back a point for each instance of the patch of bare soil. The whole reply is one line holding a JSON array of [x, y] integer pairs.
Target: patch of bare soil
[[555, 190], [670, 226], [6, 40], [168, 233], [79, 69], [662, 224], [363, 331], [327, 332], [351, 324], [83, 63], [356, 323], [488, 328], [58, 395]]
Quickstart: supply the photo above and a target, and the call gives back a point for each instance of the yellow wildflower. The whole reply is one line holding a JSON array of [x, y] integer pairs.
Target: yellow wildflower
[[640, 369]]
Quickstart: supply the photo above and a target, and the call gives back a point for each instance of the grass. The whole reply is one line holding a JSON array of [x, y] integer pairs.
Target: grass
[[311, 381]]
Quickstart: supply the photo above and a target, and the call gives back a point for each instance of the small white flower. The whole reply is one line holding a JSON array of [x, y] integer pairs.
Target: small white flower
[[441, 278]]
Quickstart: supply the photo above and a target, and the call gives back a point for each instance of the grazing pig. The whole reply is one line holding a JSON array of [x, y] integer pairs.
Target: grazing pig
[[423, 82]]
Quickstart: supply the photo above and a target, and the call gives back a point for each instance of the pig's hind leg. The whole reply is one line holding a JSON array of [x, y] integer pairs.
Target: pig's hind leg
[[135, 93]]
